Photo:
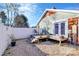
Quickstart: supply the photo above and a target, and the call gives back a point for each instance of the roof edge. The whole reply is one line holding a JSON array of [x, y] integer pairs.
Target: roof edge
[[61, 10]]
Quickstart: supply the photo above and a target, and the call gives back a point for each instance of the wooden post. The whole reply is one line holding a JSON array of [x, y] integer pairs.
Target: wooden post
[[60, 43]]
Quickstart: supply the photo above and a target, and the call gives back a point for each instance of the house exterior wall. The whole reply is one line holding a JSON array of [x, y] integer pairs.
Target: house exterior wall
[[63, 15], [48, 21]]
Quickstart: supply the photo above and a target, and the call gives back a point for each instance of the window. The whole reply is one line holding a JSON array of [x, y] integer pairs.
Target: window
[[56, 28], [63, 28]]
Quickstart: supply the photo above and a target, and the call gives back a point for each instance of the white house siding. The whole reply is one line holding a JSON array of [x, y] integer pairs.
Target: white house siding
[[58, 17], [66, 28], [46, 23], [63, 15]]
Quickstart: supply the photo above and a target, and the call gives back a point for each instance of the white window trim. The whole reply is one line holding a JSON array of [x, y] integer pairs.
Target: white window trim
[[66, 26]]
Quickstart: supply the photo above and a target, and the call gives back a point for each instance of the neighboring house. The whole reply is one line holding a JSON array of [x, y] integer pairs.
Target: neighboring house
[[20, 21], [60, 22]]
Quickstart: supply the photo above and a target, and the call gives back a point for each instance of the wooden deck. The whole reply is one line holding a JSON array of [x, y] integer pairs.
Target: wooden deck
[[39, 37], [58, 38], [53, 37]]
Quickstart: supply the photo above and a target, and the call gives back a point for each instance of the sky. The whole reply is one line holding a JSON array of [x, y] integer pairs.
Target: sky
[[33, 11]]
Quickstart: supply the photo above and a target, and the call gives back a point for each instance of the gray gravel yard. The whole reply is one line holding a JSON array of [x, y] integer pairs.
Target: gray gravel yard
[[47, 48], [24, 48]]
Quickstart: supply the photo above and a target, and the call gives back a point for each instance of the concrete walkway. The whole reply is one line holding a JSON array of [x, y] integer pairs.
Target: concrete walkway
[[23, 48]]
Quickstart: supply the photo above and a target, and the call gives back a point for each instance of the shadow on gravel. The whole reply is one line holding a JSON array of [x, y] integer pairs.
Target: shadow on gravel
[[24, 48]]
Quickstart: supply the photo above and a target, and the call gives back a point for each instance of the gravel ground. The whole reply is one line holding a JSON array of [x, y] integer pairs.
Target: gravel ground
[[23, 48], [47, 48]]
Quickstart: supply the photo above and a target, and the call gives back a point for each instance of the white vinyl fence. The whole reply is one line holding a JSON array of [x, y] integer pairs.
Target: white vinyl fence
[[4, 38], [22, 32], [6, 32]]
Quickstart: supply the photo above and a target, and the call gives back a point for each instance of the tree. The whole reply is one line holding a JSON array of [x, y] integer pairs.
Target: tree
[[21, 21], [25, 20], [3, 16], [12, 10]]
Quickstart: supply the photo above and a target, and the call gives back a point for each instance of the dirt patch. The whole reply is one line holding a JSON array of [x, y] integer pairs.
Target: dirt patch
[[53, 49]]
